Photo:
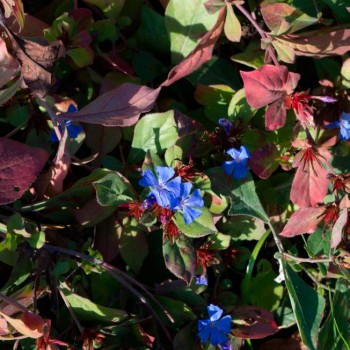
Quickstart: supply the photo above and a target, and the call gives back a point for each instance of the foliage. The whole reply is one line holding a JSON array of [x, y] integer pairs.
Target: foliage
[[174, 176]]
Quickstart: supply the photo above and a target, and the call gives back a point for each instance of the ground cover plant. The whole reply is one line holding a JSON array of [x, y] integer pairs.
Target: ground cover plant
[[174, 174]]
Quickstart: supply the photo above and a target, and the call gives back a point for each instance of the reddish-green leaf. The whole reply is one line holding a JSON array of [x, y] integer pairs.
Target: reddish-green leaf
[[305, 220], [264, 161], [318, 44], [201, 54], [258, 322], [337, 231], [180, 258], [19, 167], [282, 18], [118, 107]]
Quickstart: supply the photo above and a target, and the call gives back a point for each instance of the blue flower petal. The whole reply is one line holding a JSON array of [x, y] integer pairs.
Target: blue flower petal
[[214, 312], [345, 116], [190, 214], [195, 200], [174, 186], [148, 179], [164, 173], [224, 324], [201, 281], [185, 189], [229, 166], [71, 108], [226, 346], [217, 336], [240, 171], [244, 153], [233, 153], [333, 125], [204, 331], [74, 130], [163, 197]]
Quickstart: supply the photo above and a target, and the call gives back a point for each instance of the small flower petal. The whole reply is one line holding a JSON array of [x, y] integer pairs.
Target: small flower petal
[[164, 173], [148, 179], [190, 214], [214, 312]]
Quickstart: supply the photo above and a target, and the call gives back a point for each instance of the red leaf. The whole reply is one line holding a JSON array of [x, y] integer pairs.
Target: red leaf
[[337, 231], [275, 116], [310, 184], [264, 161], [19, 166], [9, 66], [118, 107], [268, 84], [305, 220], [201, 54], [259, 322]]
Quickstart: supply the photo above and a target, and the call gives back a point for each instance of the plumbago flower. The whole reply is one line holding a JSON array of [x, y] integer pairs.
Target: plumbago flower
[[238, 166], [170, 193], [187, 203], [344, 124], [164, 187], [215, 329], [226, 124], [73, 130]]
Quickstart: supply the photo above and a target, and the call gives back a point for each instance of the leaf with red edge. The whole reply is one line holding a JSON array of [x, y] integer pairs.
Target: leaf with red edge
[[337, 231], [305, 220], [19, 166], [318, 44], [201, 54], [264, 161], [14, 8], [268, 84], [118, 107], [22, 327], [310, 184], [9, 66], [257, 322], [282, 18], [213, 6]]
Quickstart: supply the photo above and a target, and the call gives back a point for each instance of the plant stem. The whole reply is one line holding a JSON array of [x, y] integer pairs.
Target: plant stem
[[262, 33], [276, 238], [52, 115], [13, 302], [307, 260]]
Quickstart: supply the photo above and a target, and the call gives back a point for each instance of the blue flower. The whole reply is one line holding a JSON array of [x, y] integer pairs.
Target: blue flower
[[226, 124], [187, 203], [226, 346], [201, 281], [238, 166], [214, 328], [343, 124], [73, 130], [164, 186]]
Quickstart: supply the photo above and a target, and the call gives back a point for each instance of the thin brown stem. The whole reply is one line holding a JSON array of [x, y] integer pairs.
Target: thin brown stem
[[307, 260], [262, 32]]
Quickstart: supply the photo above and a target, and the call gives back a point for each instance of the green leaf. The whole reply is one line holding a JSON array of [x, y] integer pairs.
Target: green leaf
[[111, 8], [87, 310], [103, 30], [133, 244], [252, 56], [113, 189], [173, 156], [239, 108], [199, 227], [307, 305], [232, 27], [81, 56], [186, 25], [219, 241], [241, 227], [180, 257], [155, 133], [340, 313], [152, 26]]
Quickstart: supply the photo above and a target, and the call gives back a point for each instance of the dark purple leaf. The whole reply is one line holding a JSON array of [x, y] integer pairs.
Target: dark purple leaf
[[19, 167], [118, 107], [264, 161]]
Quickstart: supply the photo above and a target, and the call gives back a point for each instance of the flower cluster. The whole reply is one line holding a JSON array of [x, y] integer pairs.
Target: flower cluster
[[237, 167], [215, 329], [169, 192]]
